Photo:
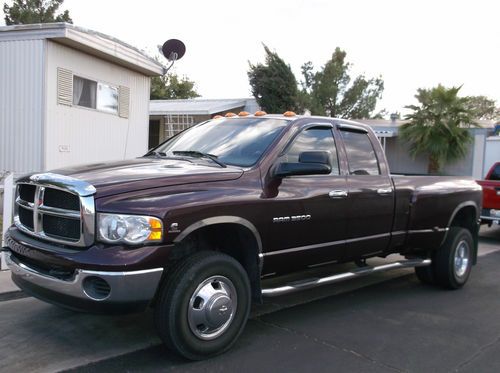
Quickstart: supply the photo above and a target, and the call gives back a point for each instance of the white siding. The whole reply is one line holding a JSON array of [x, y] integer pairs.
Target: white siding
[[76, 135], [478, 155], [21, 99], [491, 153]]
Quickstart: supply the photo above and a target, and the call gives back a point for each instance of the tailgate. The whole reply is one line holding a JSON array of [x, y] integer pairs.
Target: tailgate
[[491, 194]]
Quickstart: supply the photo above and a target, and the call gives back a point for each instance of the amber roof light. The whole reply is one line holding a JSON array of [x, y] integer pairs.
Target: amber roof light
[[289, 114], [243, 114], [260, 113], [217, 117], [229, 115]]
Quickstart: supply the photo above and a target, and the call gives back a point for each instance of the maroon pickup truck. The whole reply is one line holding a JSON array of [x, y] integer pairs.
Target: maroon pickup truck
[[201, 225]]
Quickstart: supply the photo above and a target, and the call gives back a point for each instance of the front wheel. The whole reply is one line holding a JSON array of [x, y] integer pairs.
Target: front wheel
[[203, 305]]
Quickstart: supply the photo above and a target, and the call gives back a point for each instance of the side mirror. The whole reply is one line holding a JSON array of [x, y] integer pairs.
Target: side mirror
[[310, 163]]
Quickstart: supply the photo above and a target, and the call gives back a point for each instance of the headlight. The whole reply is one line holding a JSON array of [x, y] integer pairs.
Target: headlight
[[129, 229]]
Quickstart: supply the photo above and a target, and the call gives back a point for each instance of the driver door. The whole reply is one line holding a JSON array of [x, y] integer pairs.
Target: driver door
[[308, 212]]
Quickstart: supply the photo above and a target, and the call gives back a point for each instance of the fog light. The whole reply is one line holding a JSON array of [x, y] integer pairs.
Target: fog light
[[96, 288]]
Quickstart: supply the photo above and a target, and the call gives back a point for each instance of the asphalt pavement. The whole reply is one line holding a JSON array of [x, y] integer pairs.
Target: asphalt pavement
[[383, 323], [396, 326]]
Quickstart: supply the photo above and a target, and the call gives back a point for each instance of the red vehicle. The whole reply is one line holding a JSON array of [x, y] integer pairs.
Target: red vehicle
[[491, 196]]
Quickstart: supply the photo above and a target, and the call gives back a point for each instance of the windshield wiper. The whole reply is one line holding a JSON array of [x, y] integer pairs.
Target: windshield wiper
[[197, 154], [155, 153], [164, 156]]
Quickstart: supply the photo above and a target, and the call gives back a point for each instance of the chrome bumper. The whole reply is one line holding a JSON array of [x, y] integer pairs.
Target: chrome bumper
[[130, 286], [493, 219]]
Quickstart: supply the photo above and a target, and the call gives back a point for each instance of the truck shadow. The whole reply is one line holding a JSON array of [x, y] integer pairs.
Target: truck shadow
[[489, 234]]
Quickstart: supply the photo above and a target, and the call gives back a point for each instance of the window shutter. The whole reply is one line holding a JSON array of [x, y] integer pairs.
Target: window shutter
[[64, 87], [124, 99]]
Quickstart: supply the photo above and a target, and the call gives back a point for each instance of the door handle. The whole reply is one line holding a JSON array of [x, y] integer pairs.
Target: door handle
[[337, 194], [384, 191]]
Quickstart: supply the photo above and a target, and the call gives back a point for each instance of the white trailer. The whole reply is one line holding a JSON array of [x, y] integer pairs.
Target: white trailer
[[70, 96]]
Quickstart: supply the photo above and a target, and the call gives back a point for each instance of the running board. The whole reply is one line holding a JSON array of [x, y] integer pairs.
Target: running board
[[364, 271]]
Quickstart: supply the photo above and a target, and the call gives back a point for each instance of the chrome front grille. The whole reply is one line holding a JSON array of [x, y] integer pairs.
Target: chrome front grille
[[56, 208]]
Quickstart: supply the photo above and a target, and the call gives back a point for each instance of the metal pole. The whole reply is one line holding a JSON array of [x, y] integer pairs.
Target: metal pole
[[8, 194]]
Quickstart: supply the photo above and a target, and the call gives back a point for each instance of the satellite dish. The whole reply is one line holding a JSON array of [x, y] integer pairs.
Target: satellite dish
[[173, 49]]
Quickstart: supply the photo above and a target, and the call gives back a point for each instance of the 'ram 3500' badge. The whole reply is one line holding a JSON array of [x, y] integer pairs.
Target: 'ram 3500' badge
[[287, 219]]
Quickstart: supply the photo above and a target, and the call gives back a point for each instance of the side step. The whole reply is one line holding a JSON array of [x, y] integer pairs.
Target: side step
[[364, 271]]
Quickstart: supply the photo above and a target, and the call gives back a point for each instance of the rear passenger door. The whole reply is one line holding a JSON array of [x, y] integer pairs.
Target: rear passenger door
[[370, 194]]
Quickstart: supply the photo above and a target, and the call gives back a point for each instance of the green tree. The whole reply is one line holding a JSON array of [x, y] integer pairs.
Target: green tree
[[273, 84], [438, 126], [34, 11], [483, 107], [335, 93], [170, 86]]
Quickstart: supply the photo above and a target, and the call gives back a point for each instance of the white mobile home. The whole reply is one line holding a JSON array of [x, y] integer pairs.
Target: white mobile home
[[70, 96]]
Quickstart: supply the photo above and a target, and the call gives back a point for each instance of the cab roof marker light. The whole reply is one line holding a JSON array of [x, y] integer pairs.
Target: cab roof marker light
[[243, 114], [217, 117], [260, 113], [289, 114], [230, 115]]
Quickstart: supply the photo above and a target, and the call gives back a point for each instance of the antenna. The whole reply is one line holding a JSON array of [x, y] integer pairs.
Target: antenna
[[173, 50]]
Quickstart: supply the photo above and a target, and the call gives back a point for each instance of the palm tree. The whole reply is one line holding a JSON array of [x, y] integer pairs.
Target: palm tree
[[438, 126]]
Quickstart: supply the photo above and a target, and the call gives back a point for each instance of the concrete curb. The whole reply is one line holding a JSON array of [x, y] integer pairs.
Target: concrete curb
[[7, 288], [13, 295]]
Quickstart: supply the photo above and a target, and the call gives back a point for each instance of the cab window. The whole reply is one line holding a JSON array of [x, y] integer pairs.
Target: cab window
[[495, 175], [313, 139]]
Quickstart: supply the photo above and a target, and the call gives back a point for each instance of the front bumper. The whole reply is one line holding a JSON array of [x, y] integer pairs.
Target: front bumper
[[128, 291], [490, 220], [97, 279]]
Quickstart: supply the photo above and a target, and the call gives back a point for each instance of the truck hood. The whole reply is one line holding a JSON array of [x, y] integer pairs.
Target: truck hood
[[146, 173]]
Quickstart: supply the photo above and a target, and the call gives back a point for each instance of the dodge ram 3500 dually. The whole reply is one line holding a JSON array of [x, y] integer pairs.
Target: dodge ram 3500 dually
[[196, 226]]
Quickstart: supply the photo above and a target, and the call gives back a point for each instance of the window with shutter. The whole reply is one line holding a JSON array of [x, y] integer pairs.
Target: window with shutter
[[124, 101], [74, 90], [64, 87]]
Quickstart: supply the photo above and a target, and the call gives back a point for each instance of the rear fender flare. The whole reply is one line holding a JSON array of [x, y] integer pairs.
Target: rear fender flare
[[461, 206], [474, 234]]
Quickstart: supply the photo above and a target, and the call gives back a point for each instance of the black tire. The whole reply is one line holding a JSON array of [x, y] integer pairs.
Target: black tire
[[426, 275], [215, 272], [450, 272]]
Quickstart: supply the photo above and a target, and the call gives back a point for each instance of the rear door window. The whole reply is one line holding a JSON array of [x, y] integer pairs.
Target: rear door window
[[360, 153]]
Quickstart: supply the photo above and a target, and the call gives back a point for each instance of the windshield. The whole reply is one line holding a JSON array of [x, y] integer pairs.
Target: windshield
[[235, 141]]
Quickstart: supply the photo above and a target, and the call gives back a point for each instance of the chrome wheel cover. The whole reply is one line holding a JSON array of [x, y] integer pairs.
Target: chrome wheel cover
[[212, 307], [462, 253]]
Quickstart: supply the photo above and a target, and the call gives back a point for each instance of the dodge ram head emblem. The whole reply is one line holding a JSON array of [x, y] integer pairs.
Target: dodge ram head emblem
[[174, 228], [223, 309]]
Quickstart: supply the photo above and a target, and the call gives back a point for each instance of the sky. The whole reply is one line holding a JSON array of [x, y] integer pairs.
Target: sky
[[411, 44]]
